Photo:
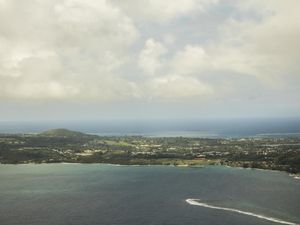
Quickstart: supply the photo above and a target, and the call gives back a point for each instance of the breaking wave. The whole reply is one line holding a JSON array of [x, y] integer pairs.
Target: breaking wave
[[272, 219]]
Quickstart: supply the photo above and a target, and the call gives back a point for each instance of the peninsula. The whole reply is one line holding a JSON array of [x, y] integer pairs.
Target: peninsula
[[62, 145]]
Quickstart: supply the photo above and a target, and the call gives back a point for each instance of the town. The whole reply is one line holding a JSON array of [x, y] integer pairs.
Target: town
[[61, 145]]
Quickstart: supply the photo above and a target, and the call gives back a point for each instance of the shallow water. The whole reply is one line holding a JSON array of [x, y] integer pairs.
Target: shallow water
[[134, 195]]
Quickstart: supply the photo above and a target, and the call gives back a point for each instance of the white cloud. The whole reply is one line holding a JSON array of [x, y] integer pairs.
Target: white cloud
[[177, 87], [169, 39], [199, 60], [150, 57], [63, 49], [163, 11], [267, 48], [190, 60], [88, 49], [40, 90]]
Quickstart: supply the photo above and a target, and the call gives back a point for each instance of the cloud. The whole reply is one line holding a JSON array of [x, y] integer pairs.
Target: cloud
[[150, 57], [132, 50], [166, 82], [63, 49], [163, 11], [267, 48], [191, 60], [178, 87]]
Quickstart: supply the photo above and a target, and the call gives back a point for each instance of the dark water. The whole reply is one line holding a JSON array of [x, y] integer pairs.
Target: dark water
[[166, 127], [132, 195]]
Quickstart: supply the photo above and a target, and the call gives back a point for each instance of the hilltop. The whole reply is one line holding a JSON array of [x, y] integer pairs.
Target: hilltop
[[62, 132]]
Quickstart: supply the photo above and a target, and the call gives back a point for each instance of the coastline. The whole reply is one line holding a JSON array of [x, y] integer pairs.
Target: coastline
[[203, 165], [295, 176]]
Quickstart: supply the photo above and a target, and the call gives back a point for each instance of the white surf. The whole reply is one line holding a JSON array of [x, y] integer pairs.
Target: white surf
[[272, 219]]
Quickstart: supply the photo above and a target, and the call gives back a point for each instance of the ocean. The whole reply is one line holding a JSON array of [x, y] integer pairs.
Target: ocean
[[237, 127], [88, 194]]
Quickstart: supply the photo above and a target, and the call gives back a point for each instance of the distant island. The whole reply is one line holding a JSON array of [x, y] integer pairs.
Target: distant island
[[63, 145]]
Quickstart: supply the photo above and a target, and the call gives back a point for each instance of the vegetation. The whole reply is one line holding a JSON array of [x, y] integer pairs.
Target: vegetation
[[61, 145]]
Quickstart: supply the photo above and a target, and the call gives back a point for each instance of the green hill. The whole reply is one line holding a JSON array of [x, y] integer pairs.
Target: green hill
[[65, 133]]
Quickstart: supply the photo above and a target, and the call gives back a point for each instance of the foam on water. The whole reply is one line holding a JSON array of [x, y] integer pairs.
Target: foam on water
[[272, 219]]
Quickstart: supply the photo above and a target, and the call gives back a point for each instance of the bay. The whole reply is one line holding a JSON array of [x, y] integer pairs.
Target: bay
[[84, 194]]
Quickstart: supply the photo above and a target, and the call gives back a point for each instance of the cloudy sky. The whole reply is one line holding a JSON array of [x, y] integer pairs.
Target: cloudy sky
[[93, 59]]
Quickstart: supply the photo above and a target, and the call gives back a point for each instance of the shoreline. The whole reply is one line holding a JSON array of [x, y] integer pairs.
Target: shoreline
[[295, 176]]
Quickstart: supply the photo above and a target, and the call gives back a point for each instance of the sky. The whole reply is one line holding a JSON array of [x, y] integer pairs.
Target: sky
[[98, 59]]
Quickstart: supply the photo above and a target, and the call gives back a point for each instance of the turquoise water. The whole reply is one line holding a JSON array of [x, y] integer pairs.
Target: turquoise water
[[134, 195]]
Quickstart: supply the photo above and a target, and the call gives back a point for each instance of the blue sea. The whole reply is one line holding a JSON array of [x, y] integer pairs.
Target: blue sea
[[237, 127], [88, 194]]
